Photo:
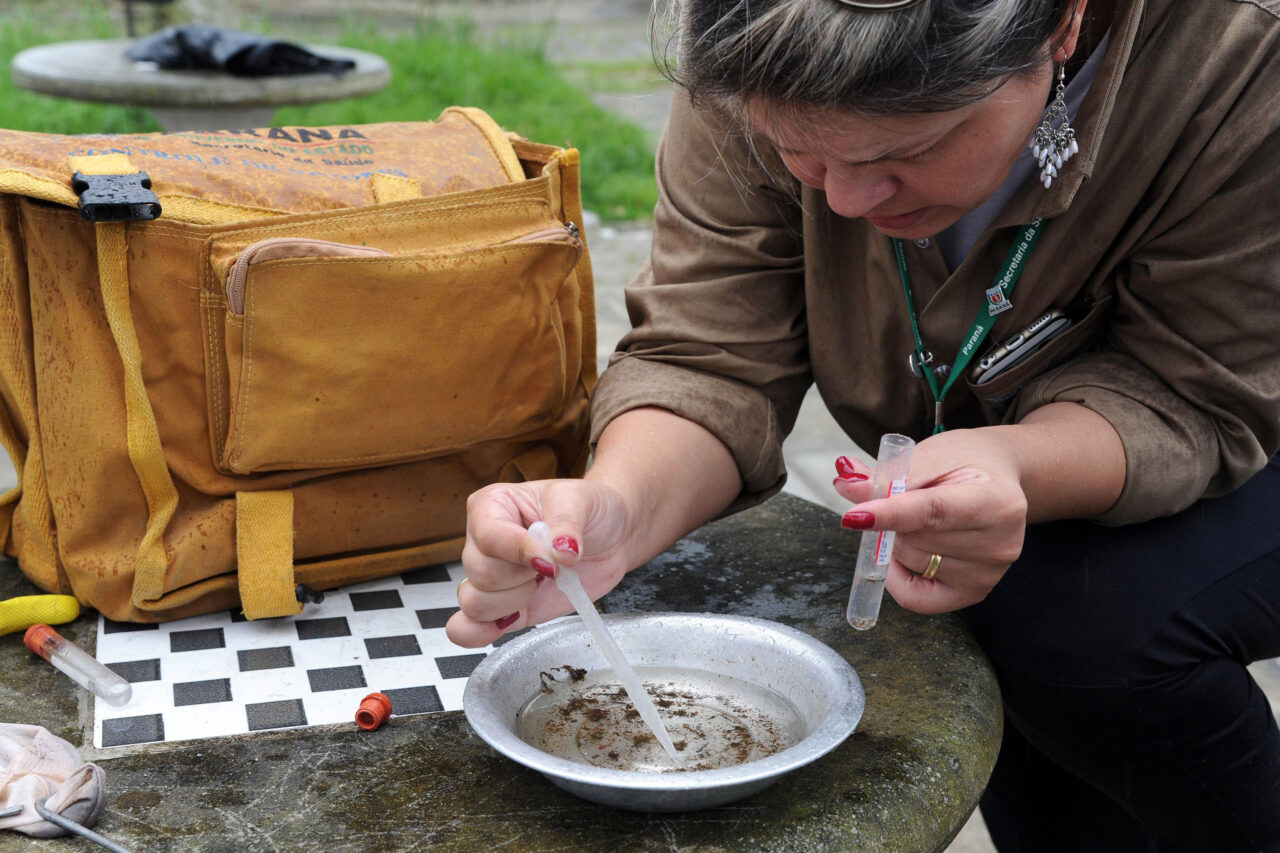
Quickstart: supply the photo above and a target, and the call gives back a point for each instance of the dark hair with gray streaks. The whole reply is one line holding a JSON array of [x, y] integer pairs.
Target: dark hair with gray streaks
[[936, 55]]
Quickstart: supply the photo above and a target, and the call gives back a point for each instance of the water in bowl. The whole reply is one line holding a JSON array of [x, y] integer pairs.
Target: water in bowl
[[715, 720]]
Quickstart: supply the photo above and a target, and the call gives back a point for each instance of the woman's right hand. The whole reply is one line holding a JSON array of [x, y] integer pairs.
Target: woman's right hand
[[655, 477], [590, 530]]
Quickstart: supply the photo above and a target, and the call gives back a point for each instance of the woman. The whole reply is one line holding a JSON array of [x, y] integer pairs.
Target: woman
[[843, 185]]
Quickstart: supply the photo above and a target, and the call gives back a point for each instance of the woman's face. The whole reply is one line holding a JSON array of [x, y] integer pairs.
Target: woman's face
[[909, 175]]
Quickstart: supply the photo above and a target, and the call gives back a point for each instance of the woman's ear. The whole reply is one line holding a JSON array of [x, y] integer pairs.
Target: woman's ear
[[1068, 32]]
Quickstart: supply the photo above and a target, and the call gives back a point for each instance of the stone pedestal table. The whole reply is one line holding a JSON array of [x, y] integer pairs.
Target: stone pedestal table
[[906, 780], [98, 70]]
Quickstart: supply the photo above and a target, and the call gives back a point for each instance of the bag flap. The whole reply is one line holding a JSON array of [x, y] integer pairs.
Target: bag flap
[[274, 170]]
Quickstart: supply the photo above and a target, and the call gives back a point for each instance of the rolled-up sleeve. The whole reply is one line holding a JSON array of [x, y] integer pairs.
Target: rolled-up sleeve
[[1189, 371], [719, 334]]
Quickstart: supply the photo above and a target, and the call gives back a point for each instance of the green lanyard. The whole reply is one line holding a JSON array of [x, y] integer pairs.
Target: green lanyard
[[997, 301]]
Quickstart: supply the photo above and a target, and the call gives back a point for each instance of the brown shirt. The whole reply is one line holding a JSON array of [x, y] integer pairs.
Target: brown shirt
[[1163, 238]]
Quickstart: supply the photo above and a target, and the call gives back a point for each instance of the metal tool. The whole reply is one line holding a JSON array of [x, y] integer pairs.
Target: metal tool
[[69, 825]]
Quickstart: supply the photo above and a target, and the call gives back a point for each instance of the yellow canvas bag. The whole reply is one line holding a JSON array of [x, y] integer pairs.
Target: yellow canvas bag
[[233, 362]]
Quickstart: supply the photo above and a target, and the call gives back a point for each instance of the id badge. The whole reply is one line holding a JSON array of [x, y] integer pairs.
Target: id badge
[[996, 301]]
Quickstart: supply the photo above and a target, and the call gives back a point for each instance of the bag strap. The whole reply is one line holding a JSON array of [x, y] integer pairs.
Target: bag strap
[[264, 554], [264, 521], [142, 436], [498, 140], [388, 188], [29, 500], [18, 182], [197, 211], [17, 454]]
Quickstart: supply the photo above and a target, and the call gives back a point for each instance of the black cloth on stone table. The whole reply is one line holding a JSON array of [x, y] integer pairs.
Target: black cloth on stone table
[[196, 46]]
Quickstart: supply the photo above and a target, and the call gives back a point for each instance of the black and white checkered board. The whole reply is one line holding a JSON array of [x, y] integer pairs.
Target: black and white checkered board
[[217, 675]]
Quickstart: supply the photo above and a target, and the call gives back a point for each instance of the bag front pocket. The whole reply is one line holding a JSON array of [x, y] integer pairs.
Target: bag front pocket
[[343, 356]]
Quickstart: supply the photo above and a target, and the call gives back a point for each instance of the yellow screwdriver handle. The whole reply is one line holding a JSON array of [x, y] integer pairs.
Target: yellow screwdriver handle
[[18, 614]]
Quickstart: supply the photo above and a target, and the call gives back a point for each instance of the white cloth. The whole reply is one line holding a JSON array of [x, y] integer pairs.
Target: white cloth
[[35, 764]]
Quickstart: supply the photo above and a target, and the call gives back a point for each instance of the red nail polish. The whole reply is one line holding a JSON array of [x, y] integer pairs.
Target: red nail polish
[[845, 468], [565, 543], [858, 520], [507, 621], [542, 567], [852, 478], [539, 579]]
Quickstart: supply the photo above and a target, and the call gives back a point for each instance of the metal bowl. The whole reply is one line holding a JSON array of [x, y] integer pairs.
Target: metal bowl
[[815, 688]]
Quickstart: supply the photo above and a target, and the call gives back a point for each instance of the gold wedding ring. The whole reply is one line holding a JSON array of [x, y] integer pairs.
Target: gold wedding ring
[[932, 569]]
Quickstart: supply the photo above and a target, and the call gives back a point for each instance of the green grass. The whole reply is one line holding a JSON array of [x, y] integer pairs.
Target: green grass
[[434, 65], [21, 27]]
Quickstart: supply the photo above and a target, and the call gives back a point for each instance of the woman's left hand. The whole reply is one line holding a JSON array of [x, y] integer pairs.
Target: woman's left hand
[[964, 501]]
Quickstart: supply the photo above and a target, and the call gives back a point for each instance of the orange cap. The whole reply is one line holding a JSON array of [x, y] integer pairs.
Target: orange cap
[[374, 711], [41, 639]]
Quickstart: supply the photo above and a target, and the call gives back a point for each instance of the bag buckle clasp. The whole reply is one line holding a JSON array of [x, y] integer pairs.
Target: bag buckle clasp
[[116, 198]]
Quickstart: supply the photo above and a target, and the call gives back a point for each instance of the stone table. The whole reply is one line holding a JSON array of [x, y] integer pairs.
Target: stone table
[[187, 99], [905, 780]]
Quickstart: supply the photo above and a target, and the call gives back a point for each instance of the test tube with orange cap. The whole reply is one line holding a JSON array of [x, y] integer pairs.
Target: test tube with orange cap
[[869, 574], [80, 667]]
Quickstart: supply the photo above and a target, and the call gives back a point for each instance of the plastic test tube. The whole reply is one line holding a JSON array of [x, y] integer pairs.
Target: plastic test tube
[[890, 478], [79, 666]]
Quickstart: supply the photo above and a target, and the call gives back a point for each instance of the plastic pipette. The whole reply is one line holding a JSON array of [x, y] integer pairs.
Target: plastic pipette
[[890, 478], [571, 585], [79, 666]]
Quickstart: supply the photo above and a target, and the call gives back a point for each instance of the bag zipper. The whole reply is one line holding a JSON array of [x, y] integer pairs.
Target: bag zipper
[[555, 234], [286, 247], [303, 247]]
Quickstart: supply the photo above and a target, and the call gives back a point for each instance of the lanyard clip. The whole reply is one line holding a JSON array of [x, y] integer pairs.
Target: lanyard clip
[[919, 361]]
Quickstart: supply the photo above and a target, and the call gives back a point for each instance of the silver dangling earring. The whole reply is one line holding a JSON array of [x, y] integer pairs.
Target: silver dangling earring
[[1053, 146]]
